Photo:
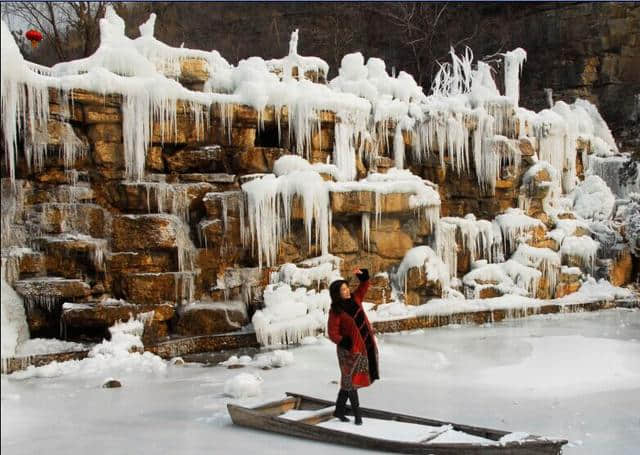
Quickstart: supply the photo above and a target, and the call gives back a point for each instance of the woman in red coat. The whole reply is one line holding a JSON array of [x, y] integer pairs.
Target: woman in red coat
[[351, 330]]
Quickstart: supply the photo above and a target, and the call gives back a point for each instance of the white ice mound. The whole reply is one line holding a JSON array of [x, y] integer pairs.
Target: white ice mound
[[244, 385], [119, 357]]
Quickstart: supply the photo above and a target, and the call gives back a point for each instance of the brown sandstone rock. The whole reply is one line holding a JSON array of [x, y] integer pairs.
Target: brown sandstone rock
[[193, 70], [142, 232], [342, 240], [323, 139], [388, 240], [379, 291], [91, 98], [32, 264], [156, 288], [109, 154], [201, 159], [528, 146], [52, 289], [86, 219], [216, 202], [105, 132], [104, 315], [489, 292], [101, 114], [621, 271], [211, 318], [420, 288], [568, 282], [352, 202], [141, 262], [66, 112], [153, 159]]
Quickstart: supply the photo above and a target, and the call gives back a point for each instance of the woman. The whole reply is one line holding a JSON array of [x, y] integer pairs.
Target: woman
[[350, 329]]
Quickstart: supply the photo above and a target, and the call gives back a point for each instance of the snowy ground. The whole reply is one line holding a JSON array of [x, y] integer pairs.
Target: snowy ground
[[575, 376]]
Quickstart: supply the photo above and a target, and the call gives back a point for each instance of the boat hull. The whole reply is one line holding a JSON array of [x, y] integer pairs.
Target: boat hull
[[266, 418]]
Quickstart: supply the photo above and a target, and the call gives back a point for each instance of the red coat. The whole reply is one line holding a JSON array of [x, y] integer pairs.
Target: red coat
[[341, 325]]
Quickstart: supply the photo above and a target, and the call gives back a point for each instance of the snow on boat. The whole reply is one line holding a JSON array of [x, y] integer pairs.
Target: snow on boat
[[312, 418]]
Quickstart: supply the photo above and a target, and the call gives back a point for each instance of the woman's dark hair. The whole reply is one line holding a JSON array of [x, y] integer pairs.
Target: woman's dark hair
[[334, 293]]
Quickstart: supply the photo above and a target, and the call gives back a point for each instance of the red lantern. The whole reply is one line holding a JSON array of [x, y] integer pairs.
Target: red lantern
[[34, 36]]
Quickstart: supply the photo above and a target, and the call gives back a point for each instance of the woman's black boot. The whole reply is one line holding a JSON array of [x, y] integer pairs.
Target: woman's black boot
[[355, 406], [341, 404]]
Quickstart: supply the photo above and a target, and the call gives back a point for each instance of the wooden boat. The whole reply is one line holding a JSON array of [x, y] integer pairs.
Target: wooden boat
[[307, 417]]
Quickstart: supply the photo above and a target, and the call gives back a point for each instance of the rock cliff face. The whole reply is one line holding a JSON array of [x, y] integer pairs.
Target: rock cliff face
[[189, 228], [586, 50]]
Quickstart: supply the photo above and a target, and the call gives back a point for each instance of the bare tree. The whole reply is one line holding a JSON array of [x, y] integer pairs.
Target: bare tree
[[419, 25], [338, 33], [70, 28]]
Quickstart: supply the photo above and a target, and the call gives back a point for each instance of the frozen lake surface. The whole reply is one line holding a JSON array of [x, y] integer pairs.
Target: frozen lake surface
[[575, 376]]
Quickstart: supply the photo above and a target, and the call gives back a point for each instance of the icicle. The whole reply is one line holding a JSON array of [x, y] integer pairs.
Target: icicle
[[398, 148], [543, 259], [513, 61], [514, 224], [24, 97], [366, 230], [344, 150], [446, 246]]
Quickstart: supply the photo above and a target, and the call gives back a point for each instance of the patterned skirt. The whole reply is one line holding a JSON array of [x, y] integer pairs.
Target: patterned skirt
[[350, 364]]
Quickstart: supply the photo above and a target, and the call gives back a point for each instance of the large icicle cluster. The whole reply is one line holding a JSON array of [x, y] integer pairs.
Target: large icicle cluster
[[515, 224], [270, 201], [290, 315], [269, 204]]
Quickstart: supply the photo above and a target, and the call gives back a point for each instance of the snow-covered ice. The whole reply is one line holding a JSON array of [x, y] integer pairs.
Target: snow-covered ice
[[574, 376]]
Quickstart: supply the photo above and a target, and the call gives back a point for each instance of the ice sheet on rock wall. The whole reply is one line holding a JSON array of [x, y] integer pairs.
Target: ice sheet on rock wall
[[446, 245], [608, 169], [344, 151], [12, 202], [14, 321], [631, 219]]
